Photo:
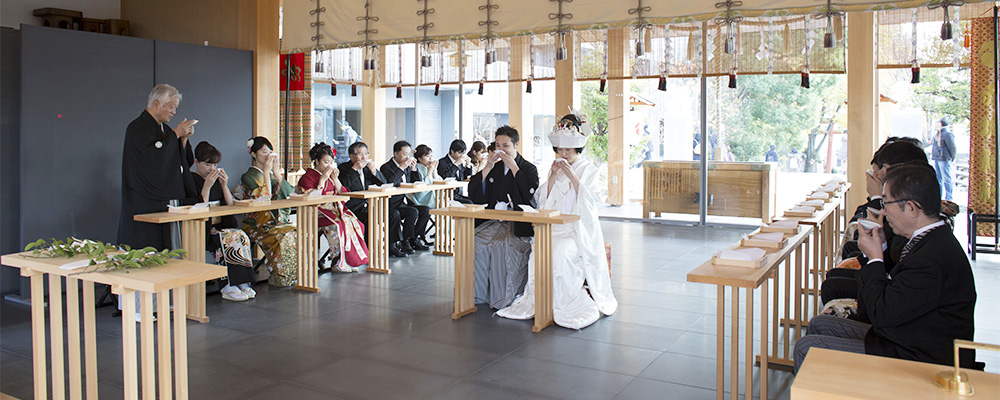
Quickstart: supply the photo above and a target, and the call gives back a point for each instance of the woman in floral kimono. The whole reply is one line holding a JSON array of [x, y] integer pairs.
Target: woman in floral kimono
[[581, 279], [230, 245], [343, 232], [271, 230]]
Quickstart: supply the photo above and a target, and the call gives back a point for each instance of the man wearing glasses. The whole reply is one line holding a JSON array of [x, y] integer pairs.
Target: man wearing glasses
[[920, 305]]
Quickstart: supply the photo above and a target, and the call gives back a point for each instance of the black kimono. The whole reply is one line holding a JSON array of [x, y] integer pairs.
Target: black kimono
[[155, 170], [502, 249]]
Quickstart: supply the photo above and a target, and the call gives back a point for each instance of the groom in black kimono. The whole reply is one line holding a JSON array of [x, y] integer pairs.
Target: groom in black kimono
[[156, 165], [503, 248]]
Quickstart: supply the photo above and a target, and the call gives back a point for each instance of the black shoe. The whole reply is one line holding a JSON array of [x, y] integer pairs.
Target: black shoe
[[425, 242], [418, 245], [395, 252], [405, 247]]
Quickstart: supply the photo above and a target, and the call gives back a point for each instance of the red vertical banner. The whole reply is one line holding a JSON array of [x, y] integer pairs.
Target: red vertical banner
[[982, 152], [299, 107], [296, 69]]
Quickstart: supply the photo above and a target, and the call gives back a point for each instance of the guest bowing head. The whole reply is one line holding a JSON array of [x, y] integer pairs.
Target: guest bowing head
[[207, 158], [322, 157]]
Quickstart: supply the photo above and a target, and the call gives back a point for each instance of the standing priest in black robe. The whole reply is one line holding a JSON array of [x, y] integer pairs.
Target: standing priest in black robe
[[156, 165], [503, 248]]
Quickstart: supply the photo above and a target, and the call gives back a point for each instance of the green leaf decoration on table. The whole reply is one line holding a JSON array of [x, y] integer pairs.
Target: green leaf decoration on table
[[103, 256]]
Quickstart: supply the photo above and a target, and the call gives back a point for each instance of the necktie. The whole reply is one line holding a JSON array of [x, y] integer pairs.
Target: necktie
[[913, 242]]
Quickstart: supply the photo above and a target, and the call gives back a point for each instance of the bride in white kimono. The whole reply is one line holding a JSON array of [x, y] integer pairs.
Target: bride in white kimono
[[578, 259]]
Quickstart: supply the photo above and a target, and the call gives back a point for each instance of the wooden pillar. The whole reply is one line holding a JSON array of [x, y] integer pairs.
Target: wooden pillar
[[862, 102], [519, 102], [617, 46], [565, 79], [373, 114], [257, 31]]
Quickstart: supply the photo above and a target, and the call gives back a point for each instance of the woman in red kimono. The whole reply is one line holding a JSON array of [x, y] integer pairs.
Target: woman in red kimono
[[343, 231]]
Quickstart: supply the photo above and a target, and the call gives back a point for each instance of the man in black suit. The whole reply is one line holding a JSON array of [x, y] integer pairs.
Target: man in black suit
[[919, 306], [401, 168], [502, 248], [456, 165], [358, 174]]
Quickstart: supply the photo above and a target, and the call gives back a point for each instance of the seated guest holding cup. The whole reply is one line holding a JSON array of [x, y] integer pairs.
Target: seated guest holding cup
[[270, 229], [919, 306], [226, 240], [427, 168], [344, 233], [402, 168], [357, 175], [477, 157], [581, 279], [456, 164], [502, 248]]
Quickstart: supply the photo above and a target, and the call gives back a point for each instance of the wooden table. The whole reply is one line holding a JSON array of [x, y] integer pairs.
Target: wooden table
[[465, 251], [174, 276], [193, 240], [750, 279], [378, 221], [831, 374]]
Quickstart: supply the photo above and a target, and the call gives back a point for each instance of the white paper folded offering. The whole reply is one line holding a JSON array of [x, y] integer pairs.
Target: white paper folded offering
[[449, 179], [813, 203], [785, 223], [831, 187], [819, 195], [803, 209], [528, 209], [747, 254], [455, 204], [77, 265], [386, 186], [769, 237], [263, 199]]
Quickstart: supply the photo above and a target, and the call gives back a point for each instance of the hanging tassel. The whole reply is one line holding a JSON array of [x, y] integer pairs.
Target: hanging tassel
[[480, 88], [732, 80], [604, 84], [437, 89], [354, 90], [399, 92], [663, 84], [333, 89], [786, 39], [527, 88], [805, 79], [692, 48], [915, 74]]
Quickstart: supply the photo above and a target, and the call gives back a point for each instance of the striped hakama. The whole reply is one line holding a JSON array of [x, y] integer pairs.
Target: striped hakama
[[501, 266]]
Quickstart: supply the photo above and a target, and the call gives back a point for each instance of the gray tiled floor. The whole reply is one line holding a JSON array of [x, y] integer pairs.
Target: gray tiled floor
[[391, 336]]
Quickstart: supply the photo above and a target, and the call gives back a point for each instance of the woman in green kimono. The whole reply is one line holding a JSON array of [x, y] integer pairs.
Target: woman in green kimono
[[271, 230]]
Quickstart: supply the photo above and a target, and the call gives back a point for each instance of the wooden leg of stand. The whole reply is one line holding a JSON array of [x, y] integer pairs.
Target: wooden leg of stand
[[763, 338], [147, 356], [543, 277], [193, 240], [734, 351], [378, 240], [90, 339], [56, 344], [720, 342], [130, 366], [749, 344], [444, 235], [465, 279], [163, 345], [308, 228], [73, 349], [180, 344], [39, 361]]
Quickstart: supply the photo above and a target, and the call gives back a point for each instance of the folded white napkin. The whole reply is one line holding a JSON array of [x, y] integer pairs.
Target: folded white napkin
[[867, 223], [769, 237], [803, 209], [785, 223], [747, 254], [528, 209], [77, 265], [449, 179], [386, 186], [819, 195], [812, 203]]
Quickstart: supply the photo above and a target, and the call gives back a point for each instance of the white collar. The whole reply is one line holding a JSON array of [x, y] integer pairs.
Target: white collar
[[397, 164], [925, 228], [453, 161]]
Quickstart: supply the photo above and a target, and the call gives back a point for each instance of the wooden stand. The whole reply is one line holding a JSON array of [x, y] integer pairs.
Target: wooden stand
[[829, 374], [750, 279], [738, 189], [378, 221], [161, 280], [193, 240], [465, 257]]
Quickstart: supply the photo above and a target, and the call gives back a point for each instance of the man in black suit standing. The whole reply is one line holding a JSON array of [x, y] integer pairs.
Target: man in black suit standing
[[357, 175], [401, 168], [920, 305], [456, 165]]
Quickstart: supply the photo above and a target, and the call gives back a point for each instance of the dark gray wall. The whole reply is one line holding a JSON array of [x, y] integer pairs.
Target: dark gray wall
[[79, 91], [10, 112], [217, 85]]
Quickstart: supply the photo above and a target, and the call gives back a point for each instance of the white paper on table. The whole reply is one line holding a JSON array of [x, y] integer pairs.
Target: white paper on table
[[528, 209], [769, 237], [199, 205], [387, 186], [802, 209], [456, 204], [262, 198], [214, 203], [747, 254], [835, 181], [830, 187], [785, 223], [78, 264], [449, 179], [819, 195], [812, 203]]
